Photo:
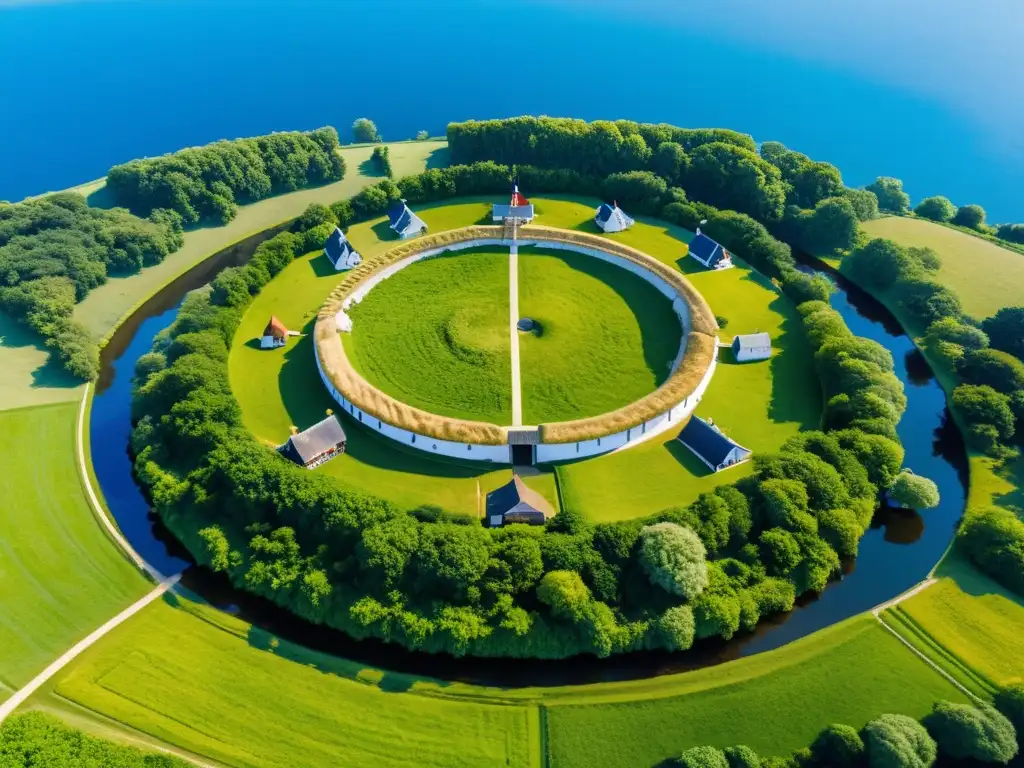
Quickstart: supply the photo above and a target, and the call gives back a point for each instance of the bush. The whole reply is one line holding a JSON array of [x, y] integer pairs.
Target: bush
[[999, 370], [1013, 233], [981, 407], [890, 194], [381, 159], [639, 191], [880, 263], [994, 540], [970, 216], [673, 558], [936, 208], [864, 202], [838, 746], [677, 627], [566, 593], [702, 757], [742, 756], [913, 491], [422, 135], [926, 301], [963, 732], [364, 130], [1005, 329], [898, 741]]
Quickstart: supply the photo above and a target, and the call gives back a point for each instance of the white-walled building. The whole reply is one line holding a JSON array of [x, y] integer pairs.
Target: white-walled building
[[404, 222], [611, 218], [709, 253], [709, 444], [339, 251], [274, 335], [752, 346]]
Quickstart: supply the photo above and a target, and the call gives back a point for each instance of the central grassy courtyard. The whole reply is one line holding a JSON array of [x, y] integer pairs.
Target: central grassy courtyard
[[436, 336], [606, 336]]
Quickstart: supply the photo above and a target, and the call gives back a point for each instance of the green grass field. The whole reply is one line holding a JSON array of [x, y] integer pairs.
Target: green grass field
[[436, 336], [607, 337], [219, 688], [60, 576], [774, 702], [969, 264]]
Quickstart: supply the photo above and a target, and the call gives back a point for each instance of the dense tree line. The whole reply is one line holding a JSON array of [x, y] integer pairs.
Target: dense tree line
[[206, 184], [34, 740], [951, 735], [433, 581], [986, 359], [54, 250]]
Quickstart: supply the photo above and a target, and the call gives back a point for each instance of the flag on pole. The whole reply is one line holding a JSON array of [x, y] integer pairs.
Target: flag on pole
[[517, 199]]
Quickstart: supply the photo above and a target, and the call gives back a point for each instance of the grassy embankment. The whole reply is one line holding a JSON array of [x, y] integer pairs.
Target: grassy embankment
[[213, 685], [607, 337], [436, 336], [977, 624]]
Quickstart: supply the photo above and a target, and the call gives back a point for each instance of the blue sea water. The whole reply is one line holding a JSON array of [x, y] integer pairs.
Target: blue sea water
[[926, 91]]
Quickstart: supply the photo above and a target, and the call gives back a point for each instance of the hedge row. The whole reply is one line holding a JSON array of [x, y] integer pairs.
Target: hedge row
[[207, 183], [436, 582]]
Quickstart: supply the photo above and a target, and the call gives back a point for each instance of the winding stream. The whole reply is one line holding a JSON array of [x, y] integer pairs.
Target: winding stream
[[896, 553]]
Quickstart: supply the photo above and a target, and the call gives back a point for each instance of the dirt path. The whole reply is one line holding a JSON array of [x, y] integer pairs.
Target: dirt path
[[513, 317], [7, 707], [905, 596]]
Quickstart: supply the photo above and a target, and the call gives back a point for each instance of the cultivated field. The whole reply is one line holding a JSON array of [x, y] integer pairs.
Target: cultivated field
[[607, 337], [984, 276], [436, 336], [60, 576], [222, 689], [774, 702]]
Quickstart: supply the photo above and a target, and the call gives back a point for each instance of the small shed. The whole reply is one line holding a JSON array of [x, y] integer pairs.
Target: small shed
[[709, 253], [274, 335], [611, 218], [339, 251], [518, 208], [752, 346], [514, 502], [709, 444], [321, 442], [404, 222]]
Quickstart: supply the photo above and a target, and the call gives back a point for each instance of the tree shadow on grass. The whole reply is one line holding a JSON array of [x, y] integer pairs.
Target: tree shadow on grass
[[958, 567], [49, 375], [796, 390], [101, 198], [369, 168], [439, 158]]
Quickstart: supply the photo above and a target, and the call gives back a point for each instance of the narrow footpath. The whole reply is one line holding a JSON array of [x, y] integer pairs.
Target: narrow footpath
[[513, 317], [7, 707]]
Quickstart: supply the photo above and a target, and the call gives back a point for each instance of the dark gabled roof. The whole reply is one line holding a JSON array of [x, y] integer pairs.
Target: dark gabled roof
[[604, 212], [706, 441], [337, 246], [516, 498], [706, 250], [321, 437], [397, 209], [751, 340]]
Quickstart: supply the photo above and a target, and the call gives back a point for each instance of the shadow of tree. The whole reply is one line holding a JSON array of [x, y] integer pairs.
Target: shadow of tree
[[15, 335], [369, 168], [439, 158]]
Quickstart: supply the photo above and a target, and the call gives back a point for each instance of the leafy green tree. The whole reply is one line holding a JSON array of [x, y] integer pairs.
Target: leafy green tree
[[898, 741], [742, 756], [565, 593], [914, 491], [673, 557], [638, 190], [451, 557], [880, 263], [994, 540], [702, 757], [1005, 329], [982, 406], [963, 732], [950, 339], [386, 549], [927, 300], [890, 194], [937, 208], [1013, 233], [670, 161], [676, 627], [864, 202], [735, 178], [814, 182], [999, 370], [780, 551], [422, 135], [837, 746], [831, 226], [364, 130], [970, 216]]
